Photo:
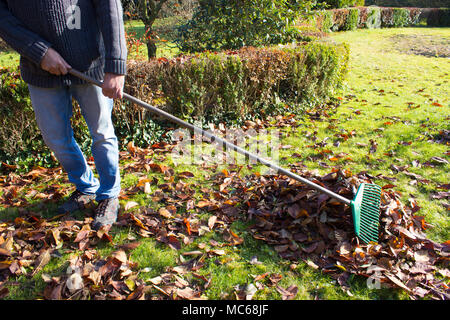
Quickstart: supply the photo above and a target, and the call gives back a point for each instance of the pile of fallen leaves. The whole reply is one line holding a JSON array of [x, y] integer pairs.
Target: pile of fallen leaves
[[303, 224], [29, 242], [299, 222]]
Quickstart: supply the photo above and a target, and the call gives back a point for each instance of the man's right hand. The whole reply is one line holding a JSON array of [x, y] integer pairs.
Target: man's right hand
[[52, 62]]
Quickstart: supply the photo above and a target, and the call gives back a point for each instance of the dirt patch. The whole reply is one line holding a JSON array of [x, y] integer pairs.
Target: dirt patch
[[424, 45]]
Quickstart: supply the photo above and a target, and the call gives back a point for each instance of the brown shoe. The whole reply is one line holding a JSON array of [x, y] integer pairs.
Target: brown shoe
[[77, 201], [106, 213]]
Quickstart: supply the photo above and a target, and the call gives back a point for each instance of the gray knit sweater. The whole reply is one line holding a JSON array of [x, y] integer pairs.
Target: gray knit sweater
[[88, 34]]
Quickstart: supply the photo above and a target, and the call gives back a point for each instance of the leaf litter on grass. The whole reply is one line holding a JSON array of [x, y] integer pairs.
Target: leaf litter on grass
[[299, 222]]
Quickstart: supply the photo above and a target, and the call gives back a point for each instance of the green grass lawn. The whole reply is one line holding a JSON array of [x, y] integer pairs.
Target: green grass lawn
[[401, 102], [392, 100], [164, 35], [8, 59]]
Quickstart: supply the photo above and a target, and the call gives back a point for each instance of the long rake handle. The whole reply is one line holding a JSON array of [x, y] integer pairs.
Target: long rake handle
[[214, 138]]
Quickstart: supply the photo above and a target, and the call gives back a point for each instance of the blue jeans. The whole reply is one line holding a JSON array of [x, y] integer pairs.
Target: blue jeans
[[53, 110]]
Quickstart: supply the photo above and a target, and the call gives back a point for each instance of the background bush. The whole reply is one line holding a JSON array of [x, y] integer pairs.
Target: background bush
[[369, 17], [232, 24], [339, 19], [352, 19], [377, 17], [439, 18], [409, 3], [400, 17], [343, 3], [227, 86], [324, 20], [235, 85], [395, 17]]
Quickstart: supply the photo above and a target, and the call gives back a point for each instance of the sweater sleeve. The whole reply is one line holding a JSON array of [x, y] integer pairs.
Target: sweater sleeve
[[110, 16], [19, 37]]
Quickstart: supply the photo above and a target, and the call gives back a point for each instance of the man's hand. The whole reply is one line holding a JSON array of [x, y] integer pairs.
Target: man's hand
[[52, 62], [113, 85]]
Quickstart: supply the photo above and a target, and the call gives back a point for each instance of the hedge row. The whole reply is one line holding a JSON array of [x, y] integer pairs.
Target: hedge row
[[209, 87], [344, 3], [380, 17], [409, 3], [237, 84]]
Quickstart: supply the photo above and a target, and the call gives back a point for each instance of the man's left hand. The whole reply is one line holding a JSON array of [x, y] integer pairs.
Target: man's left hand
[[113, 85]]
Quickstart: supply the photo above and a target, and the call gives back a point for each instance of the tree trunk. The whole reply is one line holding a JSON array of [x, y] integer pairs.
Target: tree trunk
[[151, 48]]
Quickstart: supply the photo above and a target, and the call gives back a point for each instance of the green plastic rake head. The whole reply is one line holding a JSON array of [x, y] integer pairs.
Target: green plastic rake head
[[366, 212]]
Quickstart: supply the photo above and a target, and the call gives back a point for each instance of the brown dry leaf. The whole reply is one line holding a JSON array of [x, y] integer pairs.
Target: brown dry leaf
[[180, 269], [137, 294], [120, 256], [211, 221], [186, 174], [131, 148], [83, 234], [3, 292], [165, 213], [288, 293], [186, 293], [281, 248], [156, 280], [311, 248], [41, 261], [397, 281], [174, 243], [5, 252], [95, 277], [218, 252], [202, 204], [130, 204], [54, 291]]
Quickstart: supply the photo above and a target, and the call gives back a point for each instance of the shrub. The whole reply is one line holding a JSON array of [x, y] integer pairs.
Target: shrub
[[315, 72], [239, 84], [352, 19], [387, 17], [339, 19], [439, 18], [324, 20], [363, 15], [415, 15], [209, 86], [409, 3], [232, 24], [401, 17], [344, 3], [373, 18]]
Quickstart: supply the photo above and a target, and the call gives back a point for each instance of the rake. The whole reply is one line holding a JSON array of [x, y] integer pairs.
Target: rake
[[365, 206]]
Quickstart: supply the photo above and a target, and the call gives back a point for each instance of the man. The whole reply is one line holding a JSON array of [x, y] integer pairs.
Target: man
[[52, 36]]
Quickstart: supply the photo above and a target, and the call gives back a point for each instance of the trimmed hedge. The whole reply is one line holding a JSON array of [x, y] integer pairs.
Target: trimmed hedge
[[380, 17], [344, 3], [351, 22], [369, 17], [438, 18], [239, 84], [209, 87], [394, 17], [409, 3]]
